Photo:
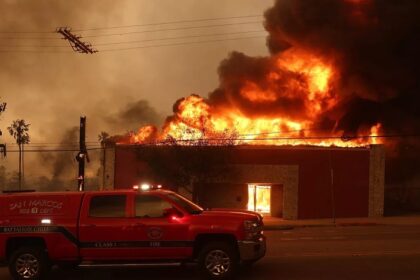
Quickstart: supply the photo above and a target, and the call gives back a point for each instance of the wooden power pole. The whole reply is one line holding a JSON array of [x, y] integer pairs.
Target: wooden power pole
[[82, 155]]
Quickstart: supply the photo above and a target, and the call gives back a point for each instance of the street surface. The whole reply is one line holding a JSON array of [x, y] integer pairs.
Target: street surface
[[354, 252]]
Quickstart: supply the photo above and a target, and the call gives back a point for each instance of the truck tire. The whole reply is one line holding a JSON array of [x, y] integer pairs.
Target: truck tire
[[28, 263], [217, 260]]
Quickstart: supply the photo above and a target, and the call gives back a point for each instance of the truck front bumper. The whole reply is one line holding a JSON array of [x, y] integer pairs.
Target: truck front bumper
[[252, 250]]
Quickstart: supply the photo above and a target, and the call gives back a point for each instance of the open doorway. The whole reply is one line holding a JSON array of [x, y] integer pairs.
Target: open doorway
[[259, 198]]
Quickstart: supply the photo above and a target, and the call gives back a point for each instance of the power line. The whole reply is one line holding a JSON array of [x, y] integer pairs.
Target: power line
[[96, 144], [52, 150], [26, 32], [36, 51], [132, 48], [138, 47], [163, 142], [54, 143], [164, 23], [344, 139], [138, 41], [29, 38], [132, 25], [180, 37], [181, 44], [170, 29], [32, 46], [127, 26]]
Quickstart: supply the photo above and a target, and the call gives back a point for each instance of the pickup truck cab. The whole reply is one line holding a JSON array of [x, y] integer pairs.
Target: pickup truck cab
[[110, 228]]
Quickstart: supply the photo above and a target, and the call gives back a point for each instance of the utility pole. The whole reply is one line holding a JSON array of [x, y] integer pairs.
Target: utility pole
[[3, 149], [82, 155], [2, 146], [76, 44]]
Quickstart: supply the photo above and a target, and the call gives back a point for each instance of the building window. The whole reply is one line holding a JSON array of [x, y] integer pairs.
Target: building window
[[109, 206], [259, 198]]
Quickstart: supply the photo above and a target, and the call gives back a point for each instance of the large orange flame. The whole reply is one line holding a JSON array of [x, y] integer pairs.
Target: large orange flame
[[312, 82]]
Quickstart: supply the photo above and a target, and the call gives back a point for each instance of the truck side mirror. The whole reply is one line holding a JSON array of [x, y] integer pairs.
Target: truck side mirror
[[172, 213]]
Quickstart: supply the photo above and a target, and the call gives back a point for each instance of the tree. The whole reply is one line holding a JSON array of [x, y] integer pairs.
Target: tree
[[189, 163], [103, 137], [19, 129]]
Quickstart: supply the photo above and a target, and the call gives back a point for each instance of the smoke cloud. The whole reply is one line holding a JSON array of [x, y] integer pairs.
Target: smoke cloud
[[132, 116], [375, 47], [62, 164], [371, 43]]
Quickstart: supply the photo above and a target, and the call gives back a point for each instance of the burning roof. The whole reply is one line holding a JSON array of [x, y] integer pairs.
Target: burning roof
[[338, 74]]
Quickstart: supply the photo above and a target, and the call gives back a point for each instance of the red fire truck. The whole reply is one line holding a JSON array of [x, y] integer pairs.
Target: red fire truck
[[147, 226]]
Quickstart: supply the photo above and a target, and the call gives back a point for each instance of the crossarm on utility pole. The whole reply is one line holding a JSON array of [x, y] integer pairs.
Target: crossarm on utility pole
[[75, 42]]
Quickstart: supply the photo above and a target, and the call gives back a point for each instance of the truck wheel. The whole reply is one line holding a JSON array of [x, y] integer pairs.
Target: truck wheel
[[29, 264], [217, 260]]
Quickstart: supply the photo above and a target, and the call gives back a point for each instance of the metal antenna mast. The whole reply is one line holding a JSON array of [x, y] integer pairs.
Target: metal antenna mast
[[74, 40]]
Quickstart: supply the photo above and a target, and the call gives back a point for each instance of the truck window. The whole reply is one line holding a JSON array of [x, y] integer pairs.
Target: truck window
[[150, 206], [107, 206], [189, 206]]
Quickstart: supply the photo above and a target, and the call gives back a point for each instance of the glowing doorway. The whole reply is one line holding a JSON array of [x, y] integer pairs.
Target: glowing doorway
[[259, 198]]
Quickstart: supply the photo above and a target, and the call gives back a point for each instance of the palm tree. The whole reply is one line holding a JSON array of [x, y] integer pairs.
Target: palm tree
[[19, 129]]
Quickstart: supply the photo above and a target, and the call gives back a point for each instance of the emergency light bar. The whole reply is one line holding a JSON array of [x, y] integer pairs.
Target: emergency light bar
[[146, 187]]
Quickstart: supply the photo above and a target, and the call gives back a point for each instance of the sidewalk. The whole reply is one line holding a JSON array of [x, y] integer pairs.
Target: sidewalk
[[272, 223]]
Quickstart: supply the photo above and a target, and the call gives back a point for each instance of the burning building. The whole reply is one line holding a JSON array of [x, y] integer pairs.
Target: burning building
[[295, 133], [293, 182]]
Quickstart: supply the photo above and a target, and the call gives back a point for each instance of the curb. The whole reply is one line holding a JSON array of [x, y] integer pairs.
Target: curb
[[291, 226], [278, 227], [358, 224]]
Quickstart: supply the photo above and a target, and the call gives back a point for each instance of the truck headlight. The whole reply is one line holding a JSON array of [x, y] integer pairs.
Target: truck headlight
[[253, 229], [251, 225]]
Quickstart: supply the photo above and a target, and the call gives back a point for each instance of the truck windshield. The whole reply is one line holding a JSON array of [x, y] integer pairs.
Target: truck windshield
[[189, 206]]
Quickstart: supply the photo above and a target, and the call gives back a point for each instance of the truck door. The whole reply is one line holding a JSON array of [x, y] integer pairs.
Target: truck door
[[162, 226], [104, 225]]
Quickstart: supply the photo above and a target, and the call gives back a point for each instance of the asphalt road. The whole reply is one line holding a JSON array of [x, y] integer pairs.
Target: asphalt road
[[369, 252]]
